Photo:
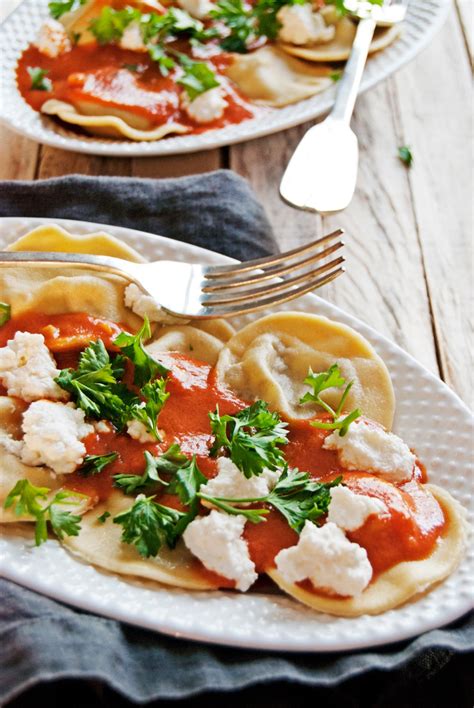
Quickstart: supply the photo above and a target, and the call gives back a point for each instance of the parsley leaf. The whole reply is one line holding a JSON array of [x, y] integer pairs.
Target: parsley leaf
[[187, 482], [238, 19], [95, 387], [5, 313], [296, 496], [335, 76], [103, 517], [266, 12], [28, 498], [405, 155], [168, 462], [59, 8], [147, 411], [251, 436], [146, 367], [110, 25], [94, 464], [158, 54], [320, 382], [148, 525], [198, 77], [39, 82]]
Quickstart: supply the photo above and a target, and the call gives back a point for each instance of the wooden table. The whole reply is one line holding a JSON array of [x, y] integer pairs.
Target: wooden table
[[408, 231]]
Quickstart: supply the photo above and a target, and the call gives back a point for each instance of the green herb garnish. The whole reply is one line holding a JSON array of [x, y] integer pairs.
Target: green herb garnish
[[405, 155], [94, 464], [198, 77], [39, 82], [103, 517], [169, 462], [251, 437], [320, 382], [147, 411], [28, 502], [110, 25], [335, 76], [146, 367], [5, 313], [58, 9]]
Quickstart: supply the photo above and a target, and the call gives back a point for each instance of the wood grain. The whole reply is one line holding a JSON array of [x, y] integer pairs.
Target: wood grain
[[465, 10], [19, 156], [441, 186]]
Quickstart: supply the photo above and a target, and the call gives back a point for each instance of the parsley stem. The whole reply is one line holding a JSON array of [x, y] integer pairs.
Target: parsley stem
[[253, 515], [249, 500]]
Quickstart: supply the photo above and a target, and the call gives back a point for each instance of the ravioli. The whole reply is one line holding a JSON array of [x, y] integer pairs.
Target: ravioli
[[270, 358]]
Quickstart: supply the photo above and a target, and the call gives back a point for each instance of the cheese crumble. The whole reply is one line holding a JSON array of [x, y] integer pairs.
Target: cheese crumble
[[27, 369], [328, 559], [217, 541], [53, 434], [350, 511], [206, 107], [197, 8], [231, 483], [53, 39], [145, 306], [138, 431], [370, 448]]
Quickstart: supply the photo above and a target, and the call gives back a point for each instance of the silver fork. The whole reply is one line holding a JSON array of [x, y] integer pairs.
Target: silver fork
[[205, 292]]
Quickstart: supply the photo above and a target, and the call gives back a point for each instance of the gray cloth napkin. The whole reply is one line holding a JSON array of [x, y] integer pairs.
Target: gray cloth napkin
[[42, 640]]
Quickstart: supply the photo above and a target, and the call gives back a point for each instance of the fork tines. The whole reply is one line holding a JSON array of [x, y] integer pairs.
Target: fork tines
[[291, 274]]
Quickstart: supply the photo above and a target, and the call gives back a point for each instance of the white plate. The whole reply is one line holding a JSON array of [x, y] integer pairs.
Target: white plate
[[429, 417], [423, 19]]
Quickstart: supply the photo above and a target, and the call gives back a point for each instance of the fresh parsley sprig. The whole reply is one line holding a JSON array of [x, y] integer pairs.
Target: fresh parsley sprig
[[331, 378], [110, 25], [29, 498], [147, 411], [405, 155], [146, 367], [59, 8], [95, 385], [5, 313], [39, 80], [169, 462], [197, 78], [252, 437], [296, 496], [95, 464]]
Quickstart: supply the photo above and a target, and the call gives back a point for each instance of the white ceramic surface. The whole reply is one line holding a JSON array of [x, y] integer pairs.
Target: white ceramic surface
[[423, 19], [430, 418]]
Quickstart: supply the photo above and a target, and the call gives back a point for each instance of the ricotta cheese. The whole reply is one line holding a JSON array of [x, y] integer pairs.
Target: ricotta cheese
[[53, 434], [206, 107], [144, 305], [53, 39], [217, 541], [14, 447], [300, 25], [138, 431], [132, 38], [27, 369], [230, 482], [367, 446], [197, 8], [349, 510], [328, 559]]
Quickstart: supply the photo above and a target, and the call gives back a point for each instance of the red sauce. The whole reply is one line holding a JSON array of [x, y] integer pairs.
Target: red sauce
[[99, 75], [409, 532]]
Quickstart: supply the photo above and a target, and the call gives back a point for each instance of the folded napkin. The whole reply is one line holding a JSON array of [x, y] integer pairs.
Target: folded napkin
[[42, 640]]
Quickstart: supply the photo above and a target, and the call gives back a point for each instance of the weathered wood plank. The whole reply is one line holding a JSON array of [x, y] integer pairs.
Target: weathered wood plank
[[176, 165], [54, 163], [465, 10], [19, 156], [436, 122], [384, 284]]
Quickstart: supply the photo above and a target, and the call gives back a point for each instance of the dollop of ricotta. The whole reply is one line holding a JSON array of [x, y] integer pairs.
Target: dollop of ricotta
[[27, 369], [217, 541], [367, 446], [132, 38], [197, 8], [328, 559], [53, 434], [206, 107], [138, 431], [350, 511], [144, 305], [231, 483], [53, 39], [300, 25]]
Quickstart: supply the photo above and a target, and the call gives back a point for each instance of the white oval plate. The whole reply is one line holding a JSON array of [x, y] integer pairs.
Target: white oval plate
[[429, 417], [423, 19]]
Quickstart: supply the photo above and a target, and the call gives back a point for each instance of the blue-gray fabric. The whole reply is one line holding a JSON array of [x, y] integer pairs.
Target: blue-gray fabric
[[42, 640]]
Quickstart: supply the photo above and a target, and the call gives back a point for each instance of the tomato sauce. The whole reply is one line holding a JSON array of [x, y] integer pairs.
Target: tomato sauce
[[110, 77], [407, 532]]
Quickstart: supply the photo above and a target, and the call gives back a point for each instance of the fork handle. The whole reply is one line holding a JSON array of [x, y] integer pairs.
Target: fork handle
[[348, 86], [105, 264]]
